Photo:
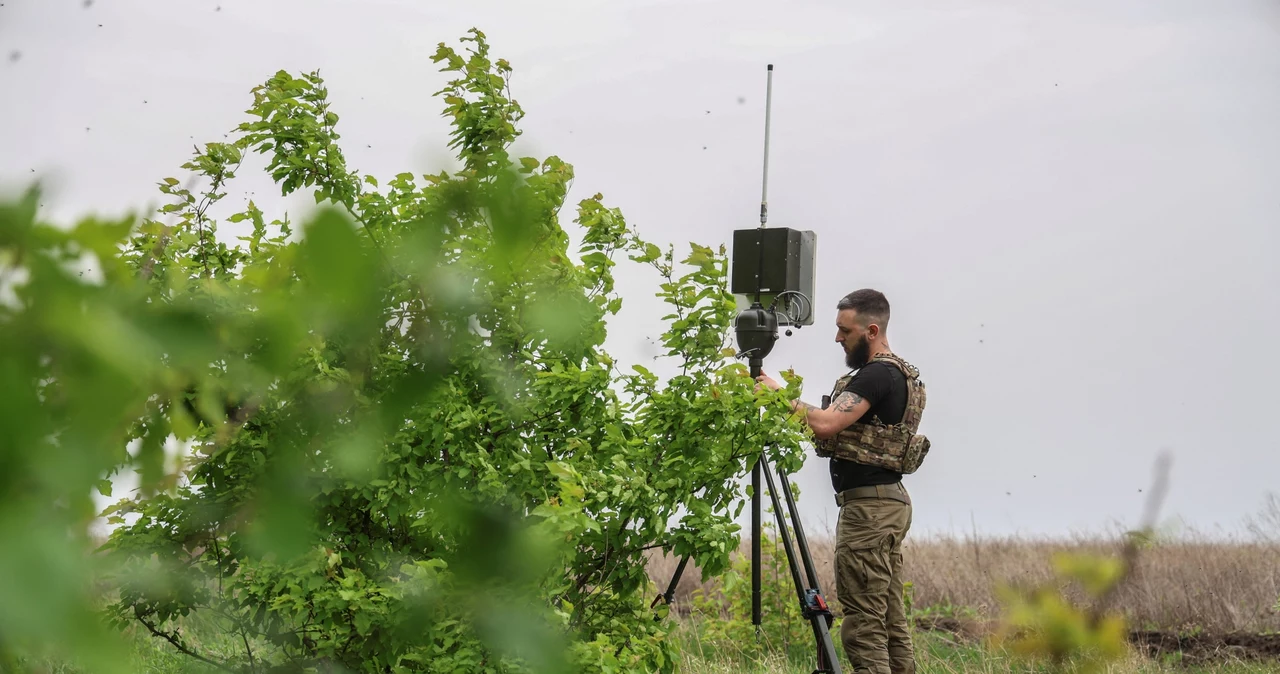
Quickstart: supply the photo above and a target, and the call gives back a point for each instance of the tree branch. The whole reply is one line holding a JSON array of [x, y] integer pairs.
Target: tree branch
[[182, 648], [582, 578], [247, 649]]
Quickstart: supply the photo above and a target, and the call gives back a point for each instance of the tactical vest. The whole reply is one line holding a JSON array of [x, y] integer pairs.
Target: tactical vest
[[897, 447]]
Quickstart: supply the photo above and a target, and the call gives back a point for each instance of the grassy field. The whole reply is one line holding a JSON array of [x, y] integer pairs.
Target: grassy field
[[1192, 605]]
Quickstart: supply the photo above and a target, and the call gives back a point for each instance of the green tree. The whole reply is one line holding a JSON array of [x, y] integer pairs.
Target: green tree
[[409, 451]]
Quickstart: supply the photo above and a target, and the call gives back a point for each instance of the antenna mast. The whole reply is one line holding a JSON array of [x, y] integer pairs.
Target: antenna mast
[[764, 189]]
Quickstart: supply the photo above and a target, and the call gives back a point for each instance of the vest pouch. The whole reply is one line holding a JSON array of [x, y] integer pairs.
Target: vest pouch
[[917, 449]]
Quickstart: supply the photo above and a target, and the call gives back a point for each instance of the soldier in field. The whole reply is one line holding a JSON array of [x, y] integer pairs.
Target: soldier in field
[[869, 433]]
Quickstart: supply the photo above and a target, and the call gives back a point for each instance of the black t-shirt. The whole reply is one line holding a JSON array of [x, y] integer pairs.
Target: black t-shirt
[[884, 386]]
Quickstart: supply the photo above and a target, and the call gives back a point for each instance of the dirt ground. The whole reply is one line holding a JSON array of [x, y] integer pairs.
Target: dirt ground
[[1193, 649], [1202, 648]]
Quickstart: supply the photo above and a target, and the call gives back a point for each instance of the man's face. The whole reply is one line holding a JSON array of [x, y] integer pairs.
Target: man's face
[[853, 339]]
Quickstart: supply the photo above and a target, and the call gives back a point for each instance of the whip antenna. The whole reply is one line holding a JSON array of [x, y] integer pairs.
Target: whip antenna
[[764, 189]]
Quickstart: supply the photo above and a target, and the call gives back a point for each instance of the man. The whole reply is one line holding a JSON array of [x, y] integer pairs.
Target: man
[[869, 430]]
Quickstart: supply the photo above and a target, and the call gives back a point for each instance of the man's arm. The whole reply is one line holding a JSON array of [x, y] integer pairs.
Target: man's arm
[[846, 409]]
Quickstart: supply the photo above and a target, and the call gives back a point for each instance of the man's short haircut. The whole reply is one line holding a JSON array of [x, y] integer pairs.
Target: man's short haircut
[[871, 305]]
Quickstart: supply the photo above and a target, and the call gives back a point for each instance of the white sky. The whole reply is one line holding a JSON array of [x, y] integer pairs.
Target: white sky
[[1071, 205]]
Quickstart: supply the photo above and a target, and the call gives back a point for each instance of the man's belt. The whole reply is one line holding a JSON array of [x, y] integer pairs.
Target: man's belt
[[893, 491]]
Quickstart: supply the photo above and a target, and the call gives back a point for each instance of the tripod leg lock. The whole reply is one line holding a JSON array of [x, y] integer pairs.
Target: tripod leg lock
[[814, 604]]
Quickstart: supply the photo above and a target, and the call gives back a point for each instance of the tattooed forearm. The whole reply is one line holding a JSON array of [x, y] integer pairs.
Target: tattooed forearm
[[798, 405], [846, 401]]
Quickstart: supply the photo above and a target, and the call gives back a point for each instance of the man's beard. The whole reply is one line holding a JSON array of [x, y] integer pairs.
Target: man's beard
[[859, 355]]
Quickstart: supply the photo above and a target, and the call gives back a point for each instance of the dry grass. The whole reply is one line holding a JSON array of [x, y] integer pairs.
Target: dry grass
[[1178, 585]]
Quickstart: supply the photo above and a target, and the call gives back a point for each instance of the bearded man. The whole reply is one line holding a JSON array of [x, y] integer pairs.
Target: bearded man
[[869, 433]]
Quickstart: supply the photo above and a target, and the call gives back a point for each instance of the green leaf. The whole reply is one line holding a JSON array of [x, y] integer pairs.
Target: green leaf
[[362, 622]]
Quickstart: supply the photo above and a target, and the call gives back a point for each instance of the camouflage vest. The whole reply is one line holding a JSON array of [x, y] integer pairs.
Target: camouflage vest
[[897, 447]]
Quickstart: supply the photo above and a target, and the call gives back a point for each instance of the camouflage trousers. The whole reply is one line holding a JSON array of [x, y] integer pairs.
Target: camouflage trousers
[[868, 563]]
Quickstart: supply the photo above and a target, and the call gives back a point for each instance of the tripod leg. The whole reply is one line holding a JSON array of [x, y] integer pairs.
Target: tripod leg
[[827, 659], [666, 597], [811, 571], [755, 545], [756, 365], [784, 534]]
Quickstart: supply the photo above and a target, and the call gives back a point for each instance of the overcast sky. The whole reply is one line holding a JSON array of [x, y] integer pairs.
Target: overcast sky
[[1072, 206]]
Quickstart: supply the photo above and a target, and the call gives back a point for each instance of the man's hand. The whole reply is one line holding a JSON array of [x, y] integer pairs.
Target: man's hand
[[766, 380]]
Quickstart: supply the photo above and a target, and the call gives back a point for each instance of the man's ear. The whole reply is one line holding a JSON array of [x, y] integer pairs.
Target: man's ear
[[873, 331]]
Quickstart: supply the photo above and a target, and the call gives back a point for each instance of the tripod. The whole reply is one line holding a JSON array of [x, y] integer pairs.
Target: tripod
[[812, 604]]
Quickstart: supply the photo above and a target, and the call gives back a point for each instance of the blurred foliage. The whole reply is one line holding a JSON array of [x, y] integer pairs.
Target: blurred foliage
[[389, 440], [1042, 624]]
